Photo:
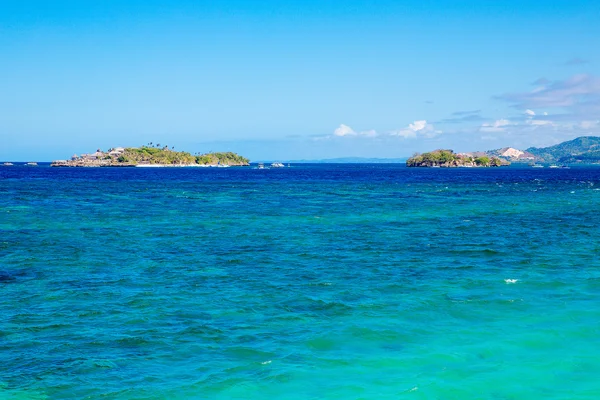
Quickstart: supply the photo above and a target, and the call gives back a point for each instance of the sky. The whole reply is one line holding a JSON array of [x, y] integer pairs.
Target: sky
[[296, 79]]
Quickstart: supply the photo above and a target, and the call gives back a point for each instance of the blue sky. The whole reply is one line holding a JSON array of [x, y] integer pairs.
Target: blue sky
[[296, 79]]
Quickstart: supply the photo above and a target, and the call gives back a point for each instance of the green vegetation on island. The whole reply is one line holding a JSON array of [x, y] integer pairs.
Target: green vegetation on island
[[448, 159], [151, 155], [585, 149], [165, 156]]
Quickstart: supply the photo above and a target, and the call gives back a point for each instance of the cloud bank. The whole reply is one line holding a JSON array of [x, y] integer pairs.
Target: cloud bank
[[576, 93], [576, 61], [551, 112], [419, 128]]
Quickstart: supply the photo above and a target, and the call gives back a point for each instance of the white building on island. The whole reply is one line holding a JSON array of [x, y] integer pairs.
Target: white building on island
[[116, 152]]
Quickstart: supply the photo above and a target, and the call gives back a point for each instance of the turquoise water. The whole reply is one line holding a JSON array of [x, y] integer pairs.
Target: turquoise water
[[311, 282]]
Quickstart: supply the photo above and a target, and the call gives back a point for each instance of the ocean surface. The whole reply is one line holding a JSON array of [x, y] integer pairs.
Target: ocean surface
[[309, 282]]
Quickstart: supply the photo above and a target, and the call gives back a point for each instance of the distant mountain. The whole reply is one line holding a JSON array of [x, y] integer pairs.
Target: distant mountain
[[512, 154], [351, 160], [585, 149]]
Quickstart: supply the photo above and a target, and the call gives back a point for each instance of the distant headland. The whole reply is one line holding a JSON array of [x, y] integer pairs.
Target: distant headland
[[151, 156], [585, 150]]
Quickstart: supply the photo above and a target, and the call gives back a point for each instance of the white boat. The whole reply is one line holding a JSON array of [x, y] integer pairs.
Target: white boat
[[537, 166], [277, 165], [554, 166], [8, 164], [32, 164]]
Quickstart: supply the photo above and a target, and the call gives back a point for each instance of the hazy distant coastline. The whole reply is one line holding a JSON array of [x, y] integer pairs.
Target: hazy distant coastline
[[350, 160]]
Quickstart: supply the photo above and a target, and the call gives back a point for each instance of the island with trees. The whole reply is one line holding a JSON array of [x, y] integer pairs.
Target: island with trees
[[449, 159], [151, 155]]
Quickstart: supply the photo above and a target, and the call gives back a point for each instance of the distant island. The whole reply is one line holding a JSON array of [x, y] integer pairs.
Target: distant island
[[448, 159], [151, 156], [585, 150]]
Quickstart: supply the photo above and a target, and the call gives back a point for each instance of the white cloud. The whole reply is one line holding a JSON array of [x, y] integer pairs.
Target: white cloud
[[538, 131], [589, 124], [572, 93], [488, 137], [369, 133], [538, 122], [532, 121], [404, 133], [552, 112], [344, 130], [497, 126], [420, 127]]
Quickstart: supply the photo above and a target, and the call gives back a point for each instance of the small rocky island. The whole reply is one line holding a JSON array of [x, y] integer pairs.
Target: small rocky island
[[151, 156], [449, 159]]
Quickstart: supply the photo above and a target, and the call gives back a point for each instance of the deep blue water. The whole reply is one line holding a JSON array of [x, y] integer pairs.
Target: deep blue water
[[310, 282]]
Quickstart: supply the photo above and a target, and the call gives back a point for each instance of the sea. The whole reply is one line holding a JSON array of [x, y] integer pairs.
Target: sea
[[330, 281]]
